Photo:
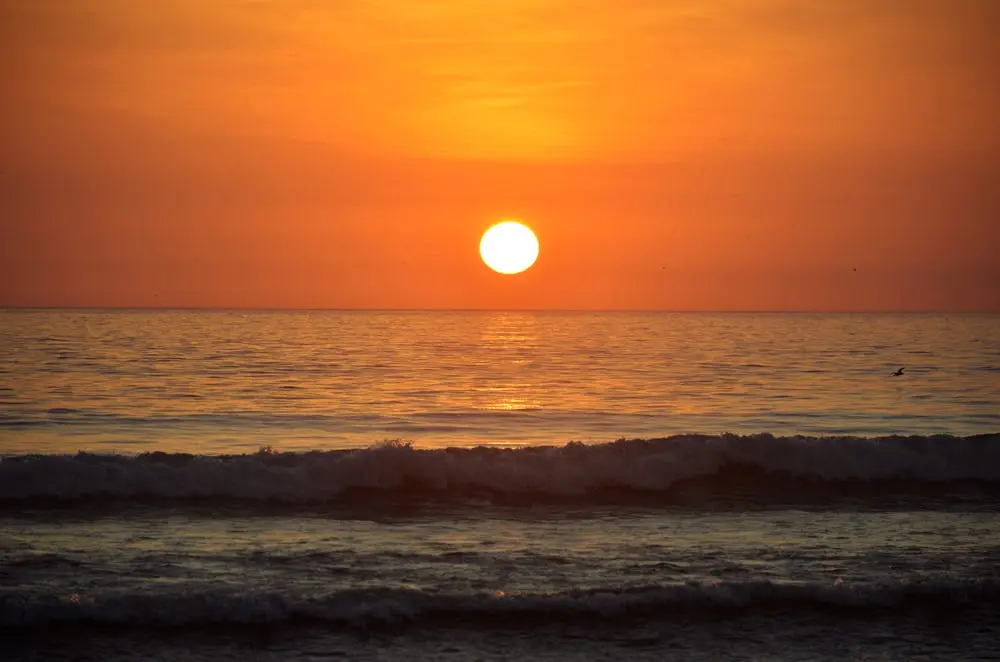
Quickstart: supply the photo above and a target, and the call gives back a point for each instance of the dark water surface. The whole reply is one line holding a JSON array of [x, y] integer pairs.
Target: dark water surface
[[874, 537]]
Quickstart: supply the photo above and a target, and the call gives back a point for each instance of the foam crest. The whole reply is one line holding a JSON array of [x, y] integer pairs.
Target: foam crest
[[575, 470]]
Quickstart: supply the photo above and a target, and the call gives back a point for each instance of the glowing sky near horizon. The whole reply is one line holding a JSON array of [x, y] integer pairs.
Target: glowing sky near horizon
[[739, 154]]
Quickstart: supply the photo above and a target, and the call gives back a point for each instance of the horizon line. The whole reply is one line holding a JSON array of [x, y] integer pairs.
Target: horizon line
[[792, 311]]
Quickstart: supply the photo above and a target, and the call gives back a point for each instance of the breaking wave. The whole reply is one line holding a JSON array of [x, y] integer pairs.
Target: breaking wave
[[362, 608], [688, 466]]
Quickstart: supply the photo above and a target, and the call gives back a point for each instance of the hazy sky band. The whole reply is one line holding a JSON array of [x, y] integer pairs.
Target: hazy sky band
[[734, 154]]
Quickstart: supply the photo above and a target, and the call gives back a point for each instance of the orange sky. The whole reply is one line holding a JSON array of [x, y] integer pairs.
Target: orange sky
[[734, 154]]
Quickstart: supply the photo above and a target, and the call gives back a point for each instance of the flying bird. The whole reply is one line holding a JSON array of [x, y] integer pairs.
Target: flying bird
[[898, 373]]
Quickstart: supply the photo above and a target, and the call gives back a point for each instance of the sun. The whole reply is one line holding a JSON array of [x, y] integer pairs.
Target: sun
[[509, 247]]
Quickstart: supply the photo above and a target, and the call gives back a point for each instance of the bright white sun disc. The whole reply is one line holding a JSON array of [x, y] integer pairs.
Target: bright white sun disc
[[509, 247]]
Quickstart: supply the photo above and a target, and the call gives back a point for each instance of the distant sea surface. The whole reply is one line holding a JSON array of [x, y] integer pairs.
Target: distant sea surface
[[224, 382], [498, 485]]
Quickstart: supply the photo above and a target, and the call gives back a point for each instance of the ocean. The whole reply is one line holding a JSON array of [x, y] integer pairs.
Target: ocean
[[313, 485]]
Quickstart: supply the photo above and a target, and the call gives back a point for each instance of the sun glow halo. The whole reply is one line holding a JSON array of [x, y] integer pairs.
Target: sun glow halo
[[509, 247]]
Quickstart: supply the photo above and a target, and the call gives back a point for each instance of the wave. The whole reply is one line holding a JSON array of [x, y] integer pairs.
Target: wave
[[373, 607], [679, 467]]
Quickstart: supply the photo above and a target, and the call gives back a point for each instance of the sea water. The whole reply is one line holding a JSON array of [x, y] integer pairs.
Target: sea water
[[491, 485]]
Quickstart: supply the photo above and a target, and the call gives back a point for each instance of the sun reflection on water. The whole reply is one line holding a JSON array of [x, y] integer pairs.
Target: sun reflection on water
[[511, 340]]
